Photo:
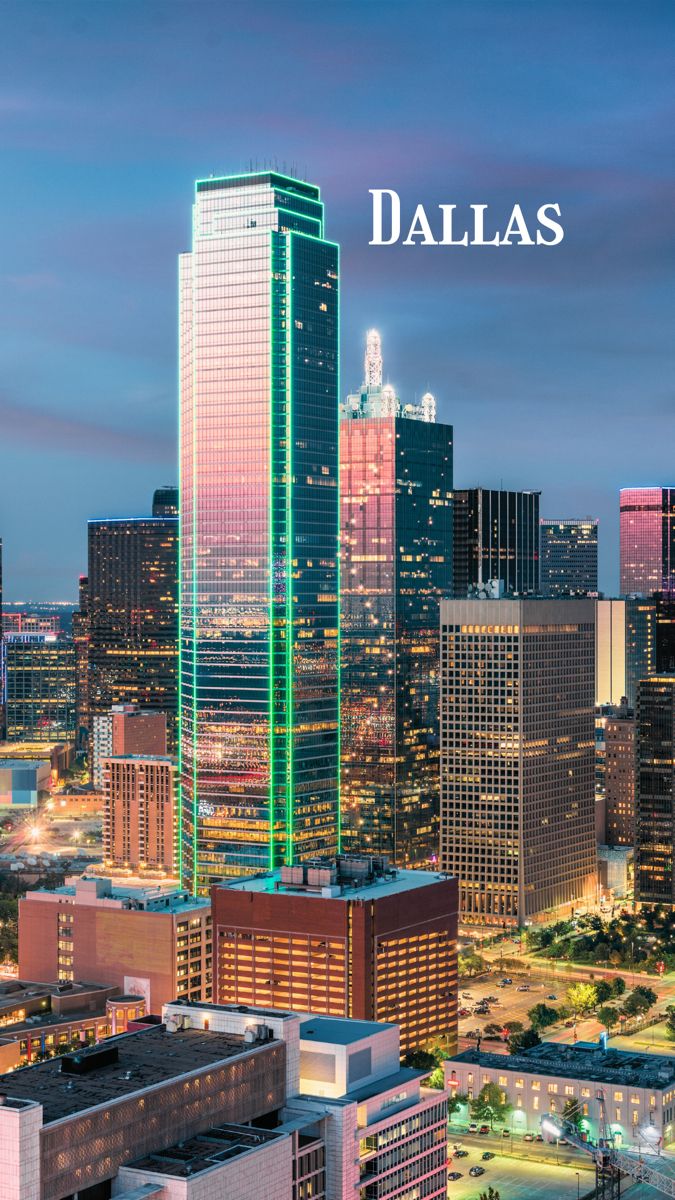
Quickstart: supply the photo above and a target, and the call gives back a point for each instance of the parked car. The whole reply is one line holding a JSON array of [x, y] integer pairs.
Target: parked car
[[487, 1156], [506, 982], [476, 1171], [552, 996], [506, 1133], [467, 996], [523, 987], [454, 1175], [484, 1129], [538, 1137], [461, 1154], [529, 1137], [464, 1012], [491, 1000], [473, 1128]]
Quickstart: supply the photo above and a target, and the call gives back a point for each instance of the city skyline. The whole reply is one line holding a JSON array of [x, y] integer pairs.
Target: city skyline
[[88, 394]]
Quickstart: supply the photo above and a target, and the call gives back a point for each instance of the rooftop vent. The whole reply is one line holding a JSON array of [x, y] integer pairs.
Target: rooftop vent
[[89, 1060]]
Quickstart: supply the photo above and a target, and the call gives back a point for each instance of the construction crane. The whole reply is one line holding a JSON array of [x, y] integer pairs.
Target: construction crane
[[610, 1163]]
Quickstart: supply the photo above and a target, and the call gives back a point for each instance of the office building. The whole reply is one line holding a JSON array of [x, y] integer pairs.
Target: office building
[[655, 790], [611, 651], [568, 551], [40, 687], [81, 644], [226, 1101], [647, 540], [640, 643], [125, 729], [496, 539], [132, 603], [145, 941], [620, 777], [259, 519], [517, 755], [664, 604], [396, 519], [619, 1093], [165, 502], [21, 782], [349, 938], [139, 831], [39, 1020]]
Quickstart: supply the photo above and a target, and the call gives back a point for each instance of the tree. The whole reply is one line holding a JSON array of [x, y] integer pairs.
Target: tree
[[640, 1001], [670, 1022], [608, 1015], [490, 1105], [618, 986], [421, 1060], [514, 1026], [471, 964], [523, 1041], [582, 998], [603, 991], [491, 1194], [542, 1015], [456, 1101], [572, 1112]]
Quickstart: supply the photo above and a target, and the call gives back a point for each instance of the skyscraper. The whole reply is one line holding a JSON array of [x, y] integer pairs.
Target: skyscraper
[[496, 537], [41, 685], [138, 821], [655, 790], [517, 755], [165, 502], [640, 643], [647, 533], [569, 556], [81, 643], [396, 517], [259, 528], [132, 600], [611, 649]]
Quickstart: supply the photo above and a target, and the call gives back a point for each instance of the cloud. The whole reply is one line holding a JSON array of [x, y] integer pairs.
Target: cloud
[[27, 425]]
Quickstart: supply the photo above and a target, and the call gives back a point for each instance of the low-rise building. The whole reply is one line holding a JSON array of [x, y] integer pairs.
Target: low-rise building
[[626, 1091], [145, 941], [21, 782], [38, 1020], [138, 824]]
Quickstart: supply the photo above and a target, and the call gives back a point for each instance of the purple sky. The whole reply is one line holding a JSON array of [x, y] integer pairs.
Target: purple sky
[[555, 366]]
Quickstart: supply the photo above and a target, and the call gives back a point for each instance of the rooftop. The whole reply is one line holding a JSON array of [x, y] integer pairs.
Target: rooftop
[[97, 889], [206, 1150], [584, 1060], [339, 1031], [148, 1058], [348, 877]]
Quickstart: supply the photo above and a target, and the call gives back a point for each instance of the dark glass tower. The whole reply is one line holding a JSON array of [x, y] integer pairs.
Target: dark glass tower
[[569, 557], [132, 614], [640, 643], [396, 512], [40, 684], [259, 525], [165, 502], [496, 537], [655, 790]]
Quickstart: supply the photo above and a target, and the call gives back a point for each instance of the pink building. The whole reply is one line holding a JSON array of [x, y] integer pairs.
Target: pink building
[[647, 530]]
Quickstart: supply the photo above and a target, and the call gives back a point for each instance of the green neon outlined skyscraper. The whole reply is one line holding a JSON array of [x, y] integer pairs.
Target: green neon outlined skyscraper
[[259, 529]]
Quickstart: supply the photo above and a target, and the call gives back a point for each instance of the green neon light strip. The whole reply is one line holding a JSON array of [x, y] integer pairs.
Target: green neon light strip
[[290, 716], [179, 798], [270, 552], [256, 175]]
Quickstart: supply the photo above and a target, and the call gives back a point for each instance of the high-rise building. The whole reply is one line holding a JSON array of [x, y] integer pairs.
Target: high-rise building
[[569, 556], [496, 538], [259, 520], [40, 688], [165, 502], [396, 519], [517, 755], [647, 536], [620, 777], [611, 647], [351, 937], [146, 941], [138, 817], [640, 643], [664, 603], [81, 643], [126, 729], [655, 790], [133, 615]]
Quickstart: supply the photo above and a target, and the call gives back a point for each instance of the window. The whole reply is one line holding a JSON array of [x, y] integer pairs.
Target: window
[[618, 1095]]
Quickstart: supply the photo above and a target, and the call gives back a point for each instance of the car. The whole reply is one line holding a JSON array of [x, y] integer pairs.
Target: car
[[529, 1137], [538, 1137], [506, 982], [491, 1000], [454, 1175], [483, 1130], [506, 1133], [563, 1142], [476, 1171], [570, 1024], [487, 1156], [464, 1012], [552, 996], [461, 1153], [523, 987], [473, 1128], [467, 996]]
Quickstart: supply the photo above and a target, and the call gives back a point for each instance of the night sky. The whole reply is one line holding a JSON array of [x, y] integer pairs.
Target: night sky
[[555, 366]]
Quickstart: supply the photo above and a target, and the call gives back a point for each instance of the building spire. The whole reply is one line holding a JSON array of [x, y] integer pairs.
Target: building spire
[[373, 360]]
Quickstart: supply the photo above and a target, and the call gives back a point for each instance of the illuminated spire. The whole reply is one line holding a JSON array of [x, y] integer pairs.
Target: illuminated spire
[[373, 360]]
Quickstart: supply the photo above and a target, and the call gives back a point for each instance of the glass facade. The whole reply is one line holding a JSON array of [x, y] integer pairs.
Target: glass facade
[[259, 638], [396, 517], [131, 617], [640, 643], [655, 790], [496, 537], [40, 688], [569, 557], [647, 534]]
